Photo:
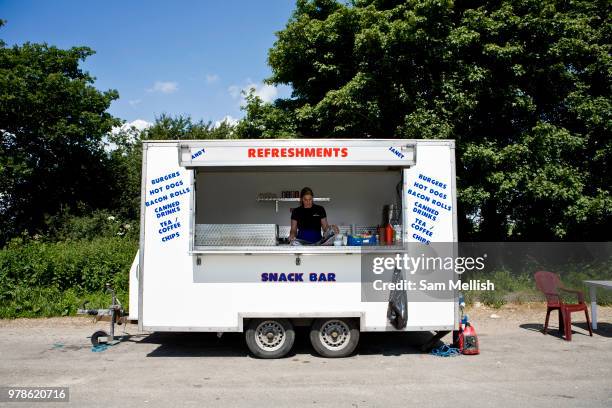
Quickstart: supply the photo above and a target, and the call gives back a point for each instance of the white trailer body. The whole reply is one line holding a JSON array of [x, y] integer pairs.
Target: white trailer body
[[188, 186]]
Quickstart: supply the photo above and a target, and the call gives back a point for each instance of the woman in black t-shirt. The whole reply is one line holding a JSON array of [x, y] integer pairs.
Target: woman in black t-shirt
[[308, 219]]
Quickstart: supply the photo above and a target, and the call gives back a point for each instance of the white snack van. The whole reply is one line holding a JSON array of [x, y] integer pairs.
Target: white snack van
[[215, 218]]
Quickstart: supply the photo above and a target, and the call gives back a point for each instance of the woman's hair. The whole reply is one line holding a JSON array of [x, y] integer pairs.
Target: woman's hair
[[306, 191]]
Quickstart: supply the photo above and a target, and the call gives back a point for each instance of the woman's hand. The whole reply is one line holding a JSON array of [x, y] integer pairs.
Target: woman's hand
[[327, 226], [293, 231]]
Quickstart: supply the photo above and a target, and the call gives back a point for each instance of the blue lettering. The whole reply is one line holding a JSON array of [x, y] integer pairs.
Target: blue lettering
[[155, 191], [171, 236], [156, 200], [282, 277], [322, 277], [418, 195], [419, 228], [166, 206], [164, 178], [420, 239], [441, 205], [432, 181], [396, 152], [174, 185], [168, 226], [168, 212], [198, 153], [178, 193], [297, 277]]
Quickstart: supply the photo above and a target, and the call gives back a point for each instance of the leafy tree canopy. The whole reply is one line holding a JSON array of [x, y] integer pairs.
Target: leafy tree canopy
[[126, 154], [523, 86], [167, 127], [52, 124]]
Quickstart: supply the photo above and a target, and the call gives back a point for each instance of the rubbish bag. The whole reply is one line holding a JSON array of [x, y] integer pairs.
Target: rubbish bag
[[397, 311]]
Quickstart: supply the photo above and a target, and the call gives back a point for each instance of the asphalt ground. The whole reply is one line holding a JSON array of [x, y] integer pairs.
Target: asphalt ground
[[518, 366]]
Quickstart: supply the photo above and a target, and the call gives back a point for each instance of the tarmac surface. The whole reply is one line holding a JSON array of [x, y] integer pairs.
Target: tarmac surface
[[518, 366]]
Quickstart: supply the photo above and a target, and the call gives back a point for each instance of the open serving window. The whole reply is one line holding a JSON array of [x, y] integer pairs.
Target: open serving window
[[249, 209], [244, 193]]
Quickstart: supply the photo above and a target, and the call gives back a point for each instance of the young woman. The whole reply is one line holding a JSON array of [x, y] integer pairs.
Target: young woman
[[308, 219]]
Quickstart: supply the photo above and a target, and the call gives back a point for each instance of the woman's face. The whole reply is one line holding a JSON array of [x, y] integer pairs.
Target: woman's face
[[307, 201]]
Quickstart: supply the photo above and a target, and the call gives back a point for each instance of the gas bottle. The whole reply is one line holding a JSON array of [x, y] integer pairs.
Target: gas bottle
[[457, 334], [468, 340]]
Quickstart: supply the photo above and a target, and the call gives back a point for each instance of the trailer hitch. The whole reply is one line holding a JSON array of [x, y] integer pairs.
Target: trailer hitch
[[115, 314]]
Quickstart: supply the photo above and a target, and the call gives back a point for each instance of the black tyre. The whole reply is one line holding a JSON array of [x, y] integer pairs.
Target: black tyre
[[270, 338], [334, 337], [95, 338]]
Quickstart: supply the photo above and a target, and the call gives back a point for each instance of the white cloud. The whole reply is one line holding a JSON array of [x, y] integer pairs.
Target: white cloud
[[234, 91], [139, 125], [228, 119], [210, 78], [130, 129], [164, 87], [134, 102], [266, 92]]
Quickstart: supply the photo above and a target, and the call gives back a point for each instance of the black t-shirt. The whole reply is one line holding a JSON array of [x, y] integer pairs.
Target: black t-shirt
[[309, 221]]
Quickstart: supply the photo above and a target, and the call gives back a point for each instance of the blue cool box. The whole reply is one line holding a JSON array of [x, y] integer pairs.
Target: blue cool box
[[356, 241]]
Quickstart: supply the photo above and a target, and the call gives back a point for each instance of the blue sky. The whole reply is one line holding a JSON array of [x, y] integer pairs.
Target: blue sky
[[183, 57]]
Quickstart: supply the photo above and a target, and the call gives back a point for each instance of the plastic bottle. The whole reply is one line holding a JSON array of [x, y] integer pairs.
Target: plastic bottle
[[398, 233]]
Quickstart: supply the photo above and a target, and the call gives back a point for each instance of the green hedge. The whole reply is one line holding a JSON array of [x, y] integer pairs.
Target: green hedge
[[39, 278], [520, 288]]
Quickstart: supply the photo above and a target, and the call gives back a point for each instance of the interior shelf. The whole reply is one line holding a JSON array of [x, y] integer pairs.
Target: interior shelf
[[277, 200]]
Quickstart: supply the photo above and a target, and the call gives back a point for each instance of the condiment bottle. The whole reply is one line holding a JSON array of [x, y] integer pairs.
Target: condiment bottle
[[389, 234]]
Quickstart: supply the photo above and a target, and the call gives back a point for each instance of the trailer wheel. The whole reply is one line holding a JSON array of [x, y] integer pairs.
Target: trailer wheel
[[270, 338], [95, 338], [334, 337]]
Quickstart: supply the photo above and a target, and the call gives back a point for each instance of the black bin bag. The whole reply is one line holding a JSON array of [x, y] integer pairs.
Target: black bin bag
[[397, 312]]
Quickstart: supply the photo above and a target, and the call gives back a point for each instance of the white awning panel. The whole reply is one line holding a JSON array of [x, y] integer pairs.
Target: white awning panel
[[298, 152]]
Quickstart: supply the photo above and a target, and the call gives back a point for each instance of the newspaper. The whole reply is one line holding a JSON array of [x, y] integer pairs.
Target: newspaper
[[327, 240]]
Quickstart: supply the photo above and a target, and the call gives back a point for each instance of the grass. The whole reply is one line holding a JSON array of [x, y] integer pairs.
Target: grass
[[49, 302], [513, 288]]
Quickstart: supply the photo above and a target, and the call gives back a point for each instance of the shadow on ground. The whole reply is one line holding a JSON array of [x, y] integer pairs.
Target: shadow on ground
[[189, 344], [537, 327], [603, 329]]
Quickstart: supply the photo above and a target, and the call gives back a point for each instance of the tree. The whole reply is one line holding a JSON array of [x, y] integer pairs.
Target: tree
[[523, 86], [167, 127], [266, 120], [126, 155], [52, 125]]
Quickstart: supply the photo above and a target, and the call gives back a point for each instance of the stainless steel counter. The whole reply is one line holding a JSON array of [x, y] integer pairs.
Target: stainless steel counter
[[291, 249]]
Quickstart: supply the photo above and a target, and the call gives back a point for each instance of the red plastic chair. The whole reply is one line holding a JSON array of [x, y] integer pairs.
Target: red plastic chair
[[550, 284]]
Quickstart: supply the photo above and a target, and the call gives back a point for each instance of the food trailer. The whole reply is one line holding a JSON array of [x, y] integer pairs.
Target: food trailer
[[215, 217]]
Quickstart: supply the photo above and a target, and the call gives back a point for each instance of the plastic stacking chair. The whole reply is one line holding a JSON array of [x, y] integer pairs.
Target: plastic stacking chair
[[550, 284]]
